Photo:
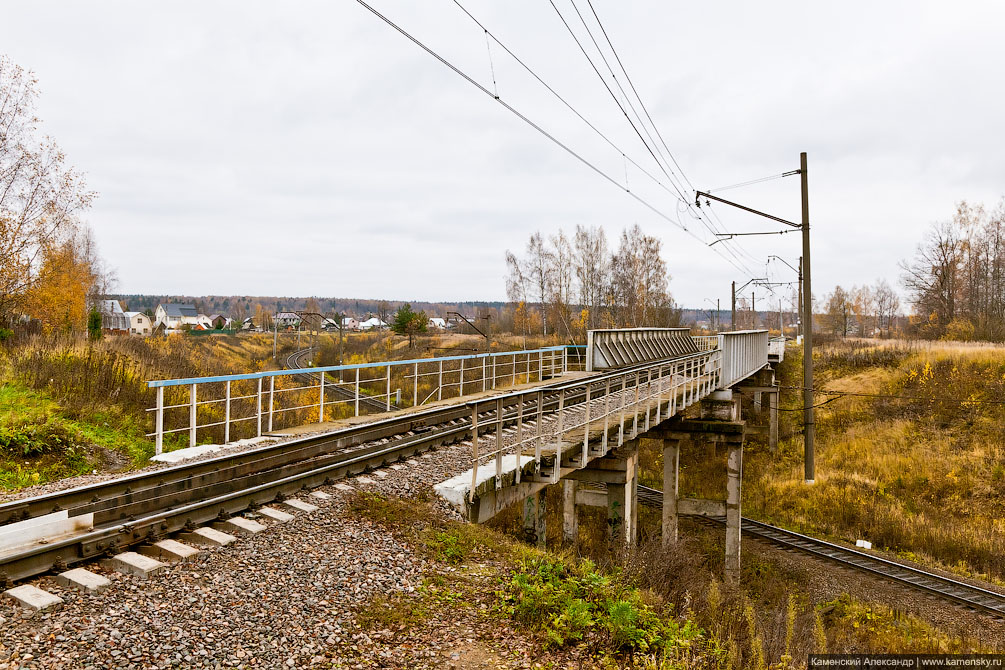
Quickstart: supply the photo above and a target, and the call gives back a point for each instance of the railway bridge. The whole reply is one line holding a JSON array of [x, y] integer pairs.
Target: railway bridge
[[569, 416], [639, 384]]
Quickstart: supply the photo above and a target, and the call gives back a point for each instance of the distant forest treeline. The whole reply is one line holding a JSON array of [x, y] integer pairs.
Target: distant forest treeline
[[240, 306]]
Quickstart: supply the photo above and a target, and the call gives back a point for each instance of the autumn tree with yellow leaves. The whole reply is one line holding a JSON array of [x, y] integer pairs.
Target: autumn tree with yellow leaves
[[49, 269]]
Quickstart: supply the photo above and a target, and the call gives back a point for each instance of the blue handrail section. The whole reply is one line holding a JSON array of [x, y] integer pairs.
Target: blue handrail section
[[356, 366]]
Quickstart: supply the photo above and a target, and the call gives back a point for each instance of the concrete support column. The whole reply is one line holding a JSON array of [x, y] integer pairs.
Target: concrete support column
[[757, 402], [734, 472], [616, 511], [534, 518], [632, 499], [570, 520], [773, 421], [671, 479]]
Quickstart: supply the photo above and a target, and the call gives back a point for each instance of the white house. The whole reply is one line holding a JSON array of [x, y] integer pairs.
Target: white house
[[173, 316], [437, 322], [371, 323], [139, 323]]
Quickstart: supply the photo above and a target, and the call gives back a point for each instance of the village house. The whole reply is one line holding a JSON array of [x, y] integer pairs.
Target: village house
[[139, 323], [173, 316], [286, 320], [349, 323], [437, 322], [373, 323]]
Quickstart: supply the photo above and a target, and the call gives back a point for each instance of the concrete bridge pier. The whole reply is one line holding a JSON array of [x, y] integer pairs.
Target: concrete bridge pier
[[721, 423], [759, 385], [618, 472], [535, 529]]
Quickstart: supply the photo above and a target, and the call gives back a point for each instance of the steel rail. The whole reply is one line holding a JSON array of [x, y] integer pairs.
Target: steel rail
[[164, 501], [946, 588]]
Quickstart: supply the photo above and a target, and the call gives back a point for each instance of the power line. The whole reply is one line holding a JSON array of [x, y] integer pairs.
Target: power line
[[744, 269], [755, 181], [706, 221], [561, 99], [518, 114], [858, 394]]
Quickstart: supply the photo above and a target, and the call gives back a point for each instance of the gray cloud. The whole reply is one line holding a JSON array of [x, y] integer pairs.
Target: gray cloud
[[275, 149]]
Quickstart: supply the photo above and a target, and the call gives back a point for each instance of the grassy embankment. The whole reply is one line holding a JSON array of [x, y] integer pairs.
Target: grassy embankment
[[69, 406], [920, 474]]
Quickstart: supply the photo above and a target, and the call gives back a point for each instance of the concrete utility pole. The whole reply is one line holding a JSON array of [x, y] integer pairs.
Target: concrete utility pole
[[753, 312], [808, 426], [732, 316], [806, 301]]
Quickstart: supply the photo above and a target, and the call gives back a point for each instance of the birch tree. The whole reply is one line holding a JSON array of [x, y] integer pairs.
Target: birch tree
[[40, 195]]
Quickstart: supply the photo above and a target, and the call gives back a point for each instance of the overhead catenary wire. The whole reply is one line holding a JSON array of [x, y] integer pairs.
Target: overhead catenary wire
[[518, 114], [534, 125], [755, 181], [699, 215], [560, 98]]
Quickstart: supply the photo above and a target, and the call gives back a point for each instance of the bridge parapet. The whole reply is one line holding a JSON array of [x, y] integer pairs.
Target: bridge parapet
[[614, 348], [744, 352]]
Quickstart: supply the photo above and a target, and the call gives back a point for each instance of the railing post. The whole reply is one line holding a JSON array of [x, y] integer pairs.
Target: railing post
[[540, 437], [635, 406], [415, 399], [540, 366], [159, 425], [272, 398], [557, 471], [191, 415], [259, 407], [226, 417], [499, 441], [357, 393], [659, 395], [565, 360], [439, 383], [586, 431], [485, 374], [623, 394], [513, 383], [495, 359], [321, 399], [460, 392], [607, 411], [388, 398], [474, 449], [519, 439]]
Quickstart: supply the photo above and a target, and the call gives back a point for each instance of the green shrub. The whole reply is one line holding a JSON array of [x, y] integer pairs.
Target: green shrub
[[576, 603]]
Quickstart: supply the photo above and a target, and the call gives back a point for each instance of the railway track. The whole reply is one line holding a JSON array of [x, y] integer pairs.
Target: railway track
[[961, 593], [148, 506], [295, 362]]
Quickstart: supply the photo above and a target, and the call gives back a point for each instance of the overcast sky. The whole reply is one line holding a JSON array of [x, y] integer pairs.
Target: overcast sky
[[309, 149]]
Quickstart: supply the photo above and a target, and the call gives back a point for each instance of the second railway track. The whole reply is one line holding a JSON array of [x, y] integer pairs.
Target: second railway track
[[961, 593]]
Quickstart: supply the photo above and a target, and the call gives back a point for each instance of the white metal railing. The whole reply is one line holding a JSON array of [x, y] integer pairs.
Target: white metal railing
[[229, 403], [624, 399], [744, 352], [776, 349], [706, 342]]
